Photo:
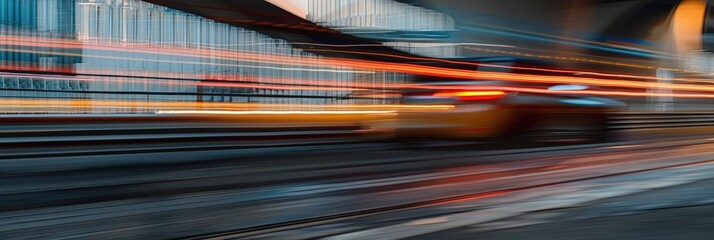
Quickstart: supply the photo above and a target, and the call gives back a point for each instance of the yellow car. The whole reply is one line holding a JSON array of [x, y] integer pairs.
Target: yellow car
[[479, 112]]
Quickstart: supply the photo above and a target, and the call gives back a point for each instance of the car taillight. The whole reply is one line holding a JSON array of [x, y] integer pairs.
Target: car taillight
[[472, 95]]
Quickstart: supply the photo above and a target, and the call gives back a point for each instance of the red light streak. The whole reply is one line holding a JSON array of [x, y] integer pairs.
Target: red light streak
[[472, 95], [282, 59], [578, 92], [420, 70]]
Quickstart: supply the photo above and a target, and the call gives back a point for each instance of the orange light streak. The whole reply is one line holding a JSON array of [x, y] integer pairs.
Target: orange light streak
[[214, 112], [470, 94], [473, 75], [215, 106], [291, 60], [578, 92], [187, 76], [514, 77]]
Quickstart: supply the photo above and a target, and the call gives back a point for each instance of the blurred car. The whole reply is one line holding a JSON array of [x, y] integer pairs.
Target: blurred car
[[483, 110]]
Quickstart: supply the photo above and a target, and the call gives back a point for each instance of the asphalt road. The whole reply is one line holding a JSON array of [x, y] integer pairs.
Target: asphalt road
[[172, 194], [679, 212]]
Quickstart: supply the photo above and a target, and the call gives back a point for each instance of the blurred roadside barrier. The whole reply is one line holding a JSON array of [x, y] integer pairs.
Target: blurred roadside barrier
[[68, 130], [637, 120], [53, 130]]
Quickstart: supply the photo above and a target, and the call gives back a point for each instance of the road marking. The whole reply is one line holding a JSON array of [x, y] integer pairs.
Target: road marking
[[429, 221], [623, 146]]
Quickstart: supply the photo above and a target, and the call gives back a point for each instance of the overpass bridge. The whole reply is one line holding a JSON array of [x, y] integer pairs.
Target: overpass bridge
[[640, 32]]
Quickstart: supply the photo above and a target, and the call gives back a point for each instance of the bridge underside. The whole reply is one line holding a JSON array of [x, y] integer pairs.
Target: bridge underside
[[266, 18], [562, 27], [632, 19]]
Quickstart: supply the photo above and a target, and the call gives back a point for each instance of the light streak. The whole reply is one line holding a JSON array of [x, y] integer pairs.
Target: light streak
[[515, 77], [188, 76], [470, 94], [478, 75], [189, 106], [550, 79], [572, 72], [382, 45], [188, 62], [272, 58], [274, 112], [569, 58], [578, 92], [197, 83], [231, 55]]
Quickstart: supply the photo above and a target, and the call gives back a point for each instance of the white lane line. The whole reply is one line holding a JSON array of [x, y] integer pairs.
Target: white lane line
[[429, 221], [623, 146]]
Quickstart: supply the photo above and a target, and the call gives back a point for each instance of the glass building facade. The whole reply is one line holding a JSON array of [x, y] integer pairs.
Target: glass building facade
[[130, 50], [398, 25], [378, 15]]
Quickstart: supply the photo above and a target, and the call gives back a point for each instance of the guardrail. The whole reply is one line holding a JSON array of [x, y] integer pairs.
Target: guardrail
[[638, 120], [19, 130], [59, 130]]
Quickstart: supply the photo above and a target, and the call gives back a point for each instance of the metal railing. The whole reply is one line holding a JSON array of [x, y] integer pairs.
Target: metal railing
[[636, 120]]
